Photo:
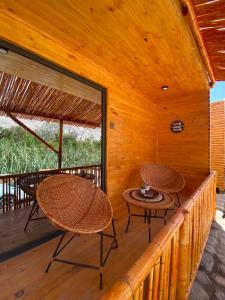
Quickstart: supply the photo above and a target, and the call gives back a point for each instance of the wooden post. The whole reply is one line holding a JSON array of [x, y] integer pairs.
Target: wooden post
[[60, 144]]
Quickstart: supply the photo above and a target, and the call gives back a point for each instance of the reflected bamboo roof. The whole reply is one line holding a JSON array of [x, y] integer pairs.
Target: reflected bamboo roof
[[31, 100]]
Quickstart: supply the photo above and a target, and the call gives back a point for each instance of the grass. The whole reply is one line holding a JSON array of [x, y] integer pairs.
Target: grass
[[21, 152]]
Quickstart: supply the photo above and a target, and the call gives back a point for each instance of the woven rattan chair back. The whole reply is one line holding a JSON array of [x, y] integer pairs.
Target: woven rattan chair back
[[162, 178], [74, 204]]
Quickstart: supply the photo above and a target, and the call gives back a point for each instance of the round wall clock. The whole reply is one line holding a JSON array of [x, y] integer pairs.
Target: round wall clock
[[177, 126]]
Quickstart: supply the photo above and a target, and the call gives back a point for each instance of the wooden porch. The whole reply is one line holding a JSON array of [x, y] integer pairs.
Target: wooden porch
[[12, 233], [25, 274], [15, 208], [155, 62], [186, 232]]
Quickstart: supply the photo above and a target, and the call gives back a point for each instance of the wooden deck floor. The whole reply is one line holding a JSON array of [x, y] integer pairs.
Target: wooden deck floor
[[23, 277], [12, 234]]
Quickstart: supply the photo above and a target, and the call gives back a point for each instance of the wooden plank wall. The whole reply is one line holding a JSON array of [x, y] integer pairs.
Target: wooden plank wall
[[217, 141], [188, 151], [132, 103], [133, 140]]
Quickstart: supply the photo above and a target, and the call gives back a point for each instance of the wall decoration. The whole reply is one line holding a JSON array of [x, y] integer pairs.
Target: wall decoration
[[177, 126]]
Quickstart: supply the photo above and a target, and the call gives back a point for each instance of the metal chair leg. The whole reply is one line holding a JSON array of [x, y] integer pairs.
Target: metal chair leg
[[56, 251], [101, 262], [128, 223], [59, 248], [178, 199], [114, 233], [37, 208], [32, 211], [149, 227], [165, 216]]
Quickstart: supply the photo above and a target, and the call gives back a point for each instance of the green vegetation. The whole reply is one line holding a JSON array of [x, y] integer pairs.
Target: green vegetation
[[21, 152]]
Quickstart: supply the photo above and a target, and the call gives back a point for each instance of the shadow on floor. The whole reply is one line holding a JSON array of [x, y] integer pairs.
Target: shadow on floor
[[14, 240]]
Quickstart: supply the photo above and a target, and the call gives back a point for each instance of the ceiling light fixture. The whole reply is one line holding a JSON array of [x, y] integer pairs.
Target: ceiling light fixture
[[3, 50], [165, 87]]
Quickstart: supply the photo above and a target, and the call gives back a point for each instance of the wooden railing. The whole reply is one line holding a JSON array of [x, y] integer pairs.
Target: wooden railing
[[12, 197], [167, 268]]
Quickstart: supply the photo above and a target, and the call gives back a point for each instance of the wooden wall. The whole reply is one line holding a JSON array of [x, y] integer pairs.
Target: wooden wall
[[133, 140], [217, 141], [188, 151], [133, 91]]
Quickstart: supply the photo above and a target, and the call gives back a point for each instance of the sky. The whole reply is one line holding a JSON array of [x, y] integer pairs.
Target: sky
[[218, 91]]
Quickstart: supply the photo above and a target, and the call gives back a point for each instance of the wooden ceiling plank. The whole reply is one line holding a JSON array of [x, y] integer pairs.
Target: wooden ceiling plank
[[210, 7], [126, 39], [215, 15], [200, 2], [212, 24]]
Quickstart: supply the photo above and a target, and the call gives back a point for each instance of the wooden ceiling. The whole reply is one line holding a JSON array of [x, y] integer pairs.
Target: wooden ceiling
[[145, 44], [32, 100], [211, 20]]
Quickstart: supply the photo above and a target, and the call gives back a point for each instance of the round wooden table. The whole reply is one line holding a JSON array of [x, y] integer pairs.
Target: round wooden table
[[134, 198]]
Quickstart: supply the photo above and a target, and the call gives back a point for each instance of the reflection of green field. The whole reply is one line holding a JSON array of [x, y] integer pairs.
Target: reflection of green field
[[20, 152]]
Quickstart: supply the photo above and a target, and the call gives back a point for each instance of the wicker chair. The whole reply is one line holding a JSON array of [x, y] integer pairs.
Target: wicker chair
[[163, 179], [76, 205]]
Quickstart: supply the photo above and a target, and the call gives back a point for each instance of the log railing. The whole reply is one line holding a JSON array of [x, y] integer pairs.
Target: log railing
[[12, 197], [166, 270]]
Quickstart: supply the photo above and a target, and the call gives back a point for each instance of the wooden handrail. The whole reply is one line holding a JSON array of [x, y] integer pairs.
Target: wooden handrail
[[168, 266], [13, 197], [140, 269], [44, 171], [188, 204]]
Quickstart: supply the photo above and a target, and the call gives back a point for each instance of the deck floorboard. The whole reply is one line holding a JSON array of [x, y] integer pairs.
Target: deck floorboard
[[12, 232], [23, 277]]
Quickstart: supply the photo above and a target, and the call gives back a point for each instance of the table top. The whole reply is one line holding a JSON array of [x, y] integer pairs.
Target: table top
[[167, 201], [29, 183]]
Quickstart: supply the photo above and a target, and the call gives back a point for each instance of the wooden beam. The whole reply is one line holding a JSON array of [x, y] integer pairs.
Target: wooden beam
[[189, 14], [60, 144], [31, 132], [51, 117]]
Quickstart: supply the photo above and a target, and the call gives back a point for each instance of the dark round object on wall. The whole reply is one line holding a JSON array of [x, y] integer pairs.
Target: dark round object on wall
[[177, 126]]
